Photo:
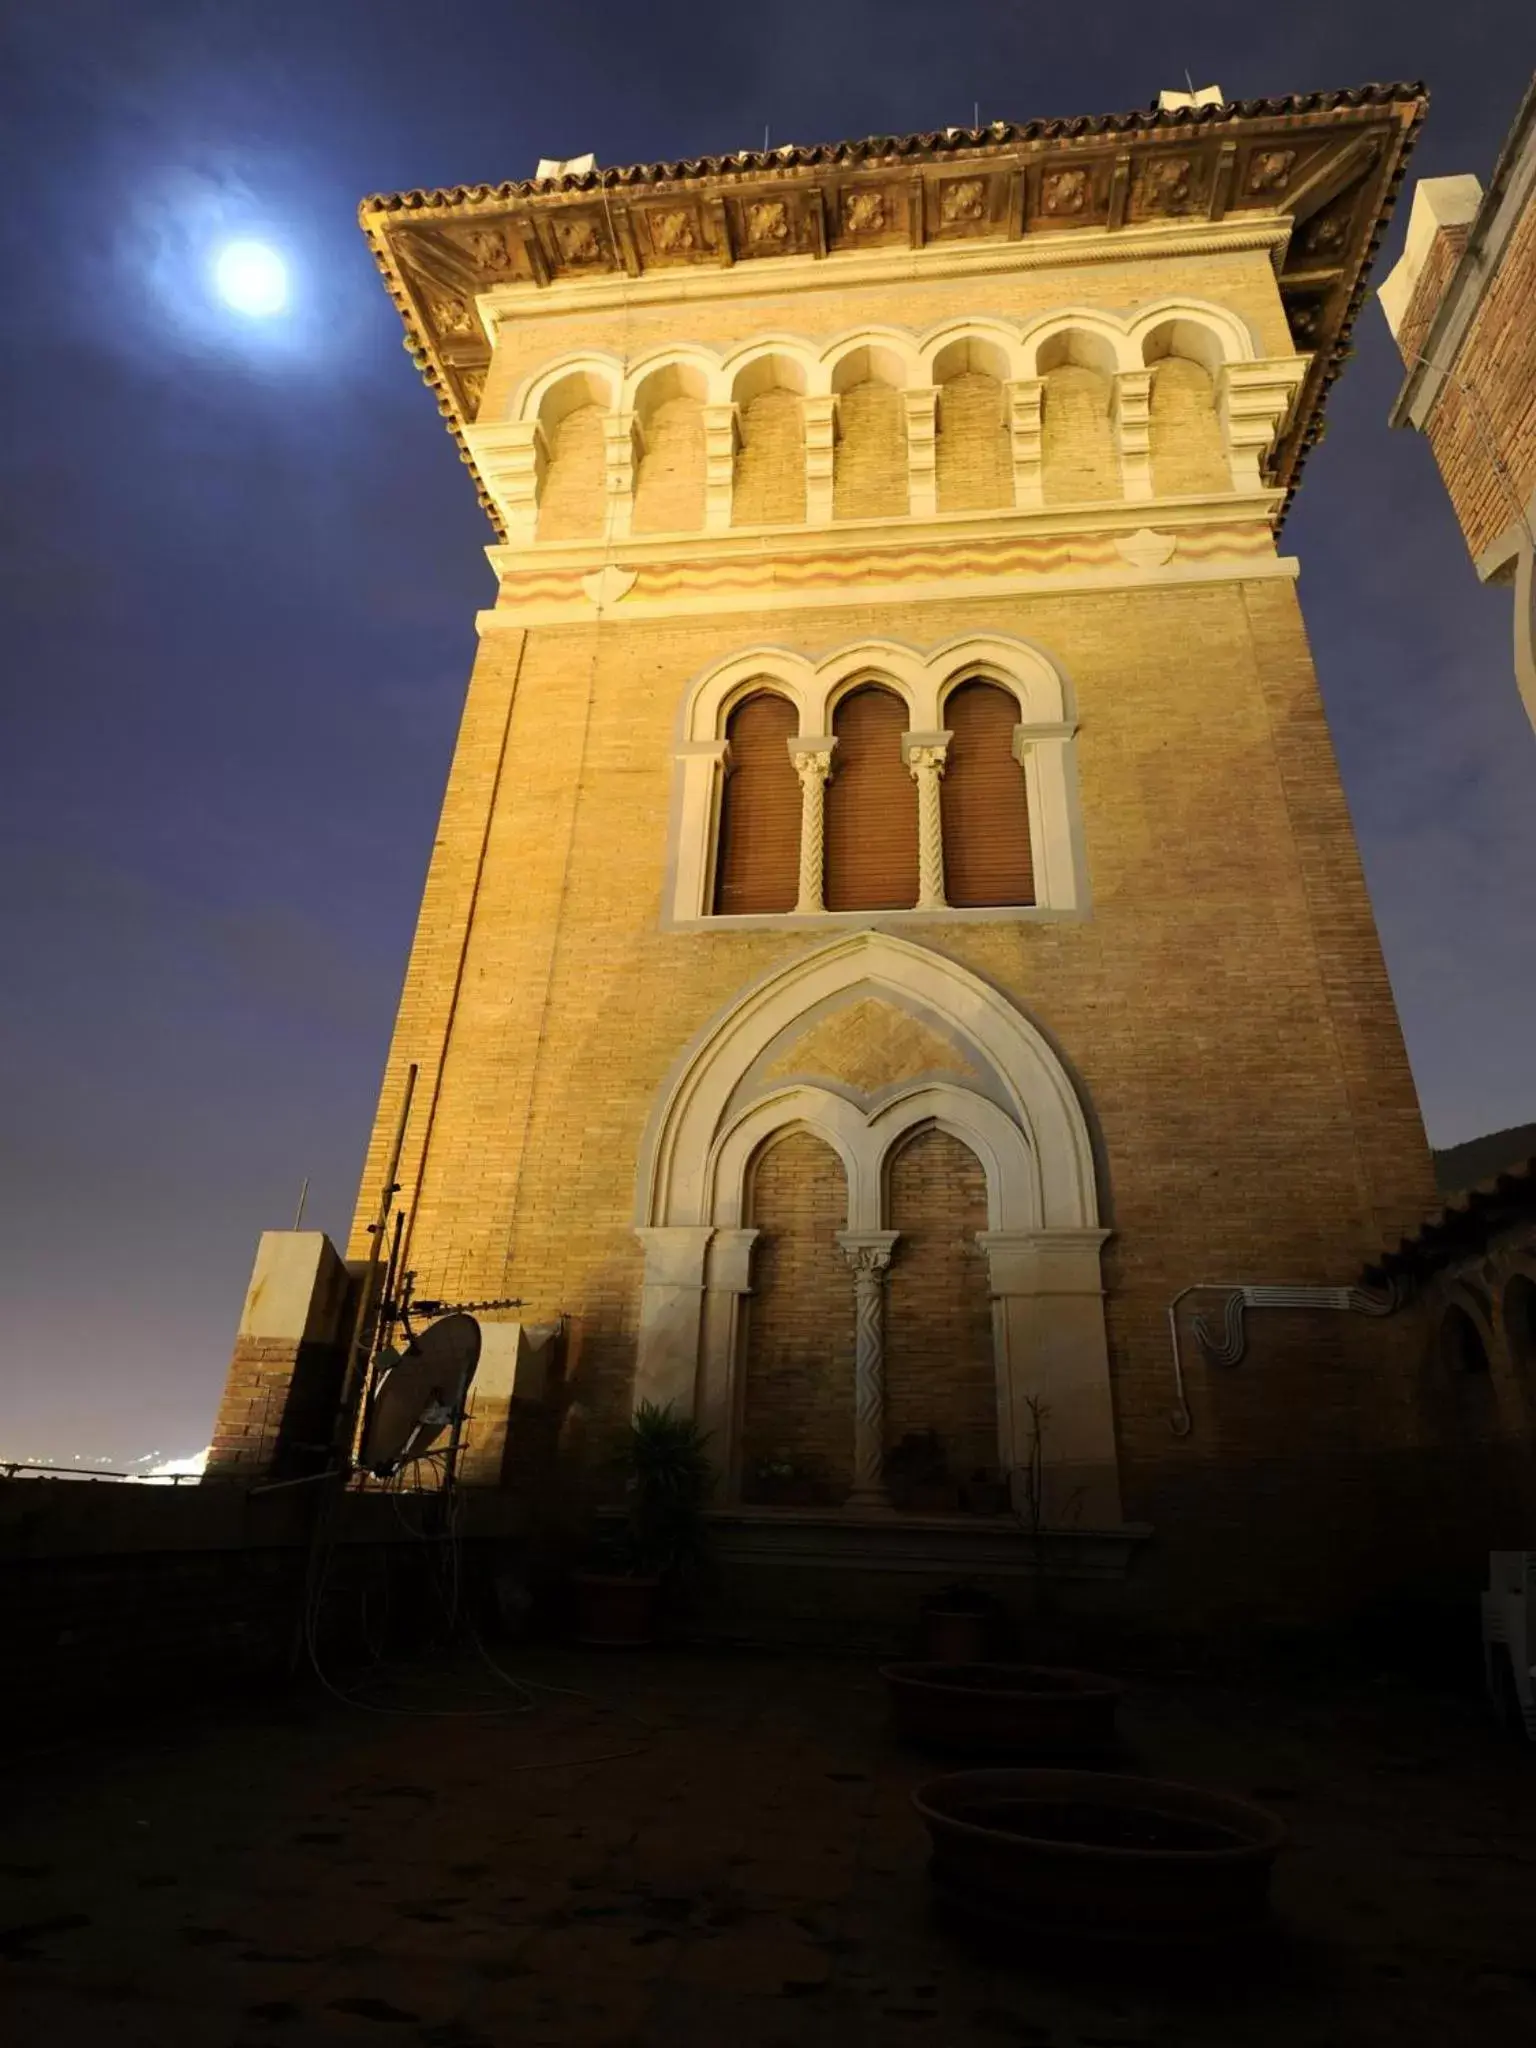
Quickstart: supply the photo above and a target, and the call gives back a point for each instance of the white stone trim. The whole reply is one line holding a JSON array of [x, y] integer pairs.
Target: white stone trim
[[1042, 1242]]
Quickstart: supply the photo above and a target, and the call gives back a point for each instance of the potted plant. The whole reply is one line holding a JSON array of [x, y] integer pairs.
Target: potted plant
[[660, 1546], [917, 1474], [959, 1623], [779, 1482]]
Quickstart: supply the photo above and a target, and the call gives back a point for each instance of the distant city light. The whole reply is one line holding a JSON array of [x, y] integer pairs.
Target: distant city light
[[252, 278]]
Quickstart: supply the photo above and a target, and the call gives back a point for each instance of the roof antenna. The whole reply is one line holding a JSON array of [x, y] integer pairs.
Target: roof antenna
[[1189, 82], [765, 138], [975, 113]]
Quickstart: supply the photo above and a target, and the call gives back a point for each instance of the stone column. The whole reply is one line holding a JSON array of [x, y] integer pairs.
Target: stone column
[[1050, 1343], [922, 404], [722, 433], [813, 764], [671, 1301], [868, 1253], [820, 415], [925, 754], [1131, 412], [1024, 399]]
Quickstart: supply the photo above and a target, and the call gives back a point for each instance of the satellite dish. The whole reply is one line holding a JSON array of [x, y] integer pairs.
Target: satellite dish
[[420, 1393]]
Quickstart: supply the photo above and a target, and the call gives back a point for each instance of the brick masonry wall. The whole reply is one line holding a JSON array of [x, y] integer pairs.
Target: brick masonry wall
[[1077, 447], [869, 478], [1445, 252], [669, 481], [939, 1372], [279, 1402], [798, 1400], [1498, 361], [571, 507], [1187, 454], [974, 462], [770, 463]]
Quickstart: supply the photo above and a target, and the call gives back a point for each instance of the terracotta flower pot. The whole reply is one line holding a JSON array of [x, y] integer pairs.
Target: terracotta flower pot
[[953, 1636], [1078, 1853], [615, 1612], [1003, 1709]]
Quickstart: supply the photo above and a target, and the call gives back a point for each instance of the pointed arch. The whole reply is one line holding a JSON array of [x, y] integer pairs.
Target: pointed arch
[[678, 1182]]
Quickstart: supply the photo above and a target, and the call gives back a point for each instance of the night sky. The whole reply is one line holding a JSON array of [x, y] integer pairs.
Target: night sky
[[241, 560]]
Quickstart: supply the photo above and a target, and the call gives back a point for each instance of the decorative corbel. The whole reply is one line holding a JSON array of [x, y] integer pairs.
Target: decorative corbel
[[512, 457], [1253, 404]]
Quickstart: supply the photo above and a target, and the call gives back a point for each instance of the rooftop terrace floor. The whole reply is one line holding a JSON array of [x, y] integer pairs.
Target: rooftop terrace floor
[[731, 1860]]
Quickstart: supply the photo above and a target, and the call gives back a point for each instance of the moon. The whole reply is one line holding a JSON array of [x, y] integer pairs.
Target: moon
[[251, 278]]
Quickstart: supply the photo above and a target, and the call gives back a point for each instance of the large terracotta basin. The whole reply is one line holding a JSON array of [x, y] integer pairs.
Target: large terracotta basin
[[1087, 1853], [1003, 1709]]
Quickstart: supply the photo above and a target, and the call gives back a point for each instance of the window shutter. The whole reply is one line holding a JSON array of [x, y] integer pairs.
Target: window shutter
[[871, 807], [758, 867], [986, 819]]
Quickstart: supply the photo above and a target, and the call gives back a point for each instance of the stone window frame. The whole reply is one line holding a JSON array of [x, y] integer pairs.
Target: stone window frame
[[1043, 741]]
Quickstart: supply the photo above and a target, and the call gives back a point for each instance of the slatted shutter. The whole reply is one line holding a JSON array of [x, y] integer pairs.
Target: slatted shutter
[[986, 819], [758, 868], [871, 807]]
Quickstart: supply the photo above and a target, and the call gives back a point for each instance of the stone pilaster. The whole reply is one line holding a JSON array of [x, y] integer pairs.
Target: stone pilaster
[[1253, 403], [868, 1253], [621, 450], [1131, 415], [925, 754], [1025, 400], [727, 1282], [922, 407], [820, 416], [722, 436], [813, 765], [671, 1304], [1048, 1326]]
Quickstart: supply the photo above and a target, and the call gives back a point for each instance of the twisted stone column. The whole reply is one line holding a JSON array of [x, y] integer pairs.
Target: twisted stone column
[[925, 761], [868, 1253], [813, 764]]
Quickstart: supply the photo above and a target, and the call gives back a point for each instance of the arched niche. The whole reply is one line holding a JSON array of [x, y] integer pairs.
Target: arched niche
[[1030, 1133]]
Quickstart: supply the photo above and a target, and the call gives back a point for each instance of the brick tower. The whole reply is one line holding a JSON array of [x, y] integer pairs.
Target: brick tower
[[894, 922]]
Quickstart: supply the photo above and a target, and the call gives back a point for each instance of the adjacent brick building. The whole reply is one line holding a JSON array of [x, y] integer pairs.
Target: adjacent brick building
[[895, 926], [1462, 308]]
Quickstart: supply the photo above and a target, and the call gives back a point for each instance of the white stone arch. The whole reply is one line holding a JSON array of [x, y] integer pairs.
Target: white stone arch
[[712, 697], [765, 363], [885, 667], [1042, 1246], [1014, 1195], [587, 378], [1036, 683], [1077, 334], [888, 355], [1208, 334], [670, 372], [980, 344]]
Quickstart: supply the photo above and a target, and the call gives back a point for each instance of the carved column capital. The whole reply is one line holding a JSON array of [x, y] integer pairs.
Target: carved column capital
[[868, 1252]]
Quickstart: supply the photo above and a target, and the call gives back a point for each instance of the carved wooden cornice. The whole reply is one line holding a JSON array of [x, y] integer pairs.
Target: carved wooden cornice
[[1329, 163]]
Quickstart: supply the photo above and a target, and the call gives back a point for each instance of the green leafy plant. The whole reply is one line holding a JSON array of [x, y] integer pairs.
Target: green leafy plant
[[667, 1484]]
